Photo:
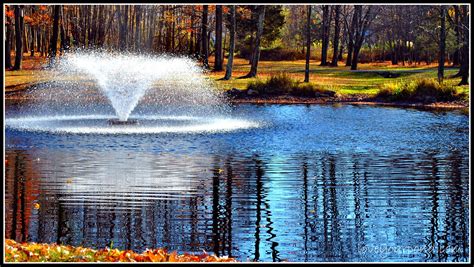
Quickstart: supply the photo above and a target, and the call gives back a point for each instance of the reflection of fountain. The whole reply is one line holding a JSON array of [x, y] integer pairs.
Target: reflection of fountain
[[120, 122], [169, 88]]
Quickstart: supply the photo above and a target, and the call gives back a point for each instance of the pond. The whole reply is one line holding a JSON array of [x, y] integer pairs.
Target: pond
[[312, 183]]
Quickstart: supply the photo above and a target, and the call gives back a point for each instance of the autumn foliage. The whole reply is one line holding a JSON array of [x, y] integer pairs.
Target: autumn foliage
[[34, 252]]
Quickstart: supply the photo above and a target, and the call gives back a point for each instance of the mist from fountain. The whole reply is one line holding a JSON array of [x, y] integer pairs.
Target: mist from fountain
[[173, 95]]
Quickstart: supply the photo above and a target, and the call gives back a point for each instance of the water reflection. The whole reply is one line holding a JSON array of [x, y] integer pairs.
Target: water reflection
[[316, 184], [300, 208]]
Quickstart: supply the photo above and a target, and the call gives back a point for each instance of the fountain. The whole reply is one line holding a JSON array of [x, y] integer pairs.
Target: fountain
[[148, 94]]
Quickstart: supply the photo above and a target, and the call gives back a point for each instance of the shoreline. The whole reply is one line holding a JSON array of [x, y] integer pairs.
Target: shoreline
[[287, 100], [20, 93]]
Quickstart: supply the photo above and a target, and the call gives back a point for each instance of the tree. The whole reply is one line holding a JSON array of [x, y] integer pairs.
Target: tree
[[8, 37], [247, 22], [54, 37], [350, 40], [325, 35], [204, 44], [256, 46], [457, 23], [362, 24], [308, 44], [337, 13], [19, 29], [218, 45], [442, 43], [230, 60], [464, 52], [123, 27]]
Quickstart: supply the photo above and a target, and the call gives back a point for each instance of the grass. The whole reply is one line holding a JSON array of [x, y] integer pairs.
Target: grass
[[365, 81], [426, 90], [340, 79], [34, 252]]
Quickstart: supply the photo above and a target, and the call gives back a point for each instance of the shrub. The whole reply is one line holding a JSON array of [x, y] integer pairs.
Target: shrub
[[276, 84], [283, 84], [419, 90]]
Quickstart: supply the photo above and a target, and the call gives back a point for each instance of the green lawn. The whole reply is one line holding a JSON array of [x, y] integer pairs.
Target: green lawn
[[340, 79]]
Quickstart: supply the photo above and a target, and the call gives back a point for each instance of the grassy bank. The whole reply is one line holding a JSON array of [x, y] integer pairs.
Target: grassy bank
[[365, 82], [33, 252]]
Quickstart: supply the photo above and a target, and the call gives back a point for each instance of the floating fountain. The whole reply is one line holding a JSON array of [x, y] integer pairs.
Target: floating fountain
[[172, 94]]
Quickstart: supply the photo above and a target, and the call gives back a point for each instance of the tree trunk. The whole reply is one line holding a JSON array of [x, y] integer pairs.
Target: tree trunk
[[138, 18], [456, 56], [465, 47], [308, 44], [362, 24], [218, 45], [258, 37], [8, 40], [442, 44], [350, 42], [325, 36], [337, 12], [54, 38], [19, 26], [204, 45], [123, 23], [33, 35], [230, 60], [343, 41]]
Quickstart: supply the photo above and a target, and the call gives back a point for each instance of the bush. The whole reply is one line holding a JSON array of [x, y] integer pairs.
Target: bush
[[419, 90], [283, 84], [276, 84]]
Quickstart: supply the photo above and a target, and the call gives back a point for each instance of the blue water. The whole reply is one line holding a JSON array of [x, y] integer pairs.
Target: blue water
[[312, 183]]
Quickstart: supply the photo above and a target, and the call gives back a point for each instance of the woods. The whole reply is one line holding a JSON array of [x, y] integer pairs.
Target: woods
[[402, 34]]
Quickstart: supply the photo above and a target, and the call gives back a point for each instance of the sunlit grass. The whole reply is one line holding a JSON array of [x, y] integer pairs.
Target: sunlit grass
[[364, 81]]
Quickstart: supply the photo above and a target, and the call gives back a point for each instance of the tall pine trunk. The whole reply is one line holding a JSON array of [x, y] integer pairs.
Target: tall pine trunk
[[350, 42], [308, 43], [442, 44], [204, 45], [54, 38], [230, 60], [337, 13], [256, 47], [19, 29], [218, 45], [8, 40], [325, 35], [465, 47]]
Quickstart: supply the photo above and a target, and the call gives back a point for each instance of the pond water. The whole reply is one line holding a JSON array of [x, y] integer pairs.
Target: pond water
[[311, 183]]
